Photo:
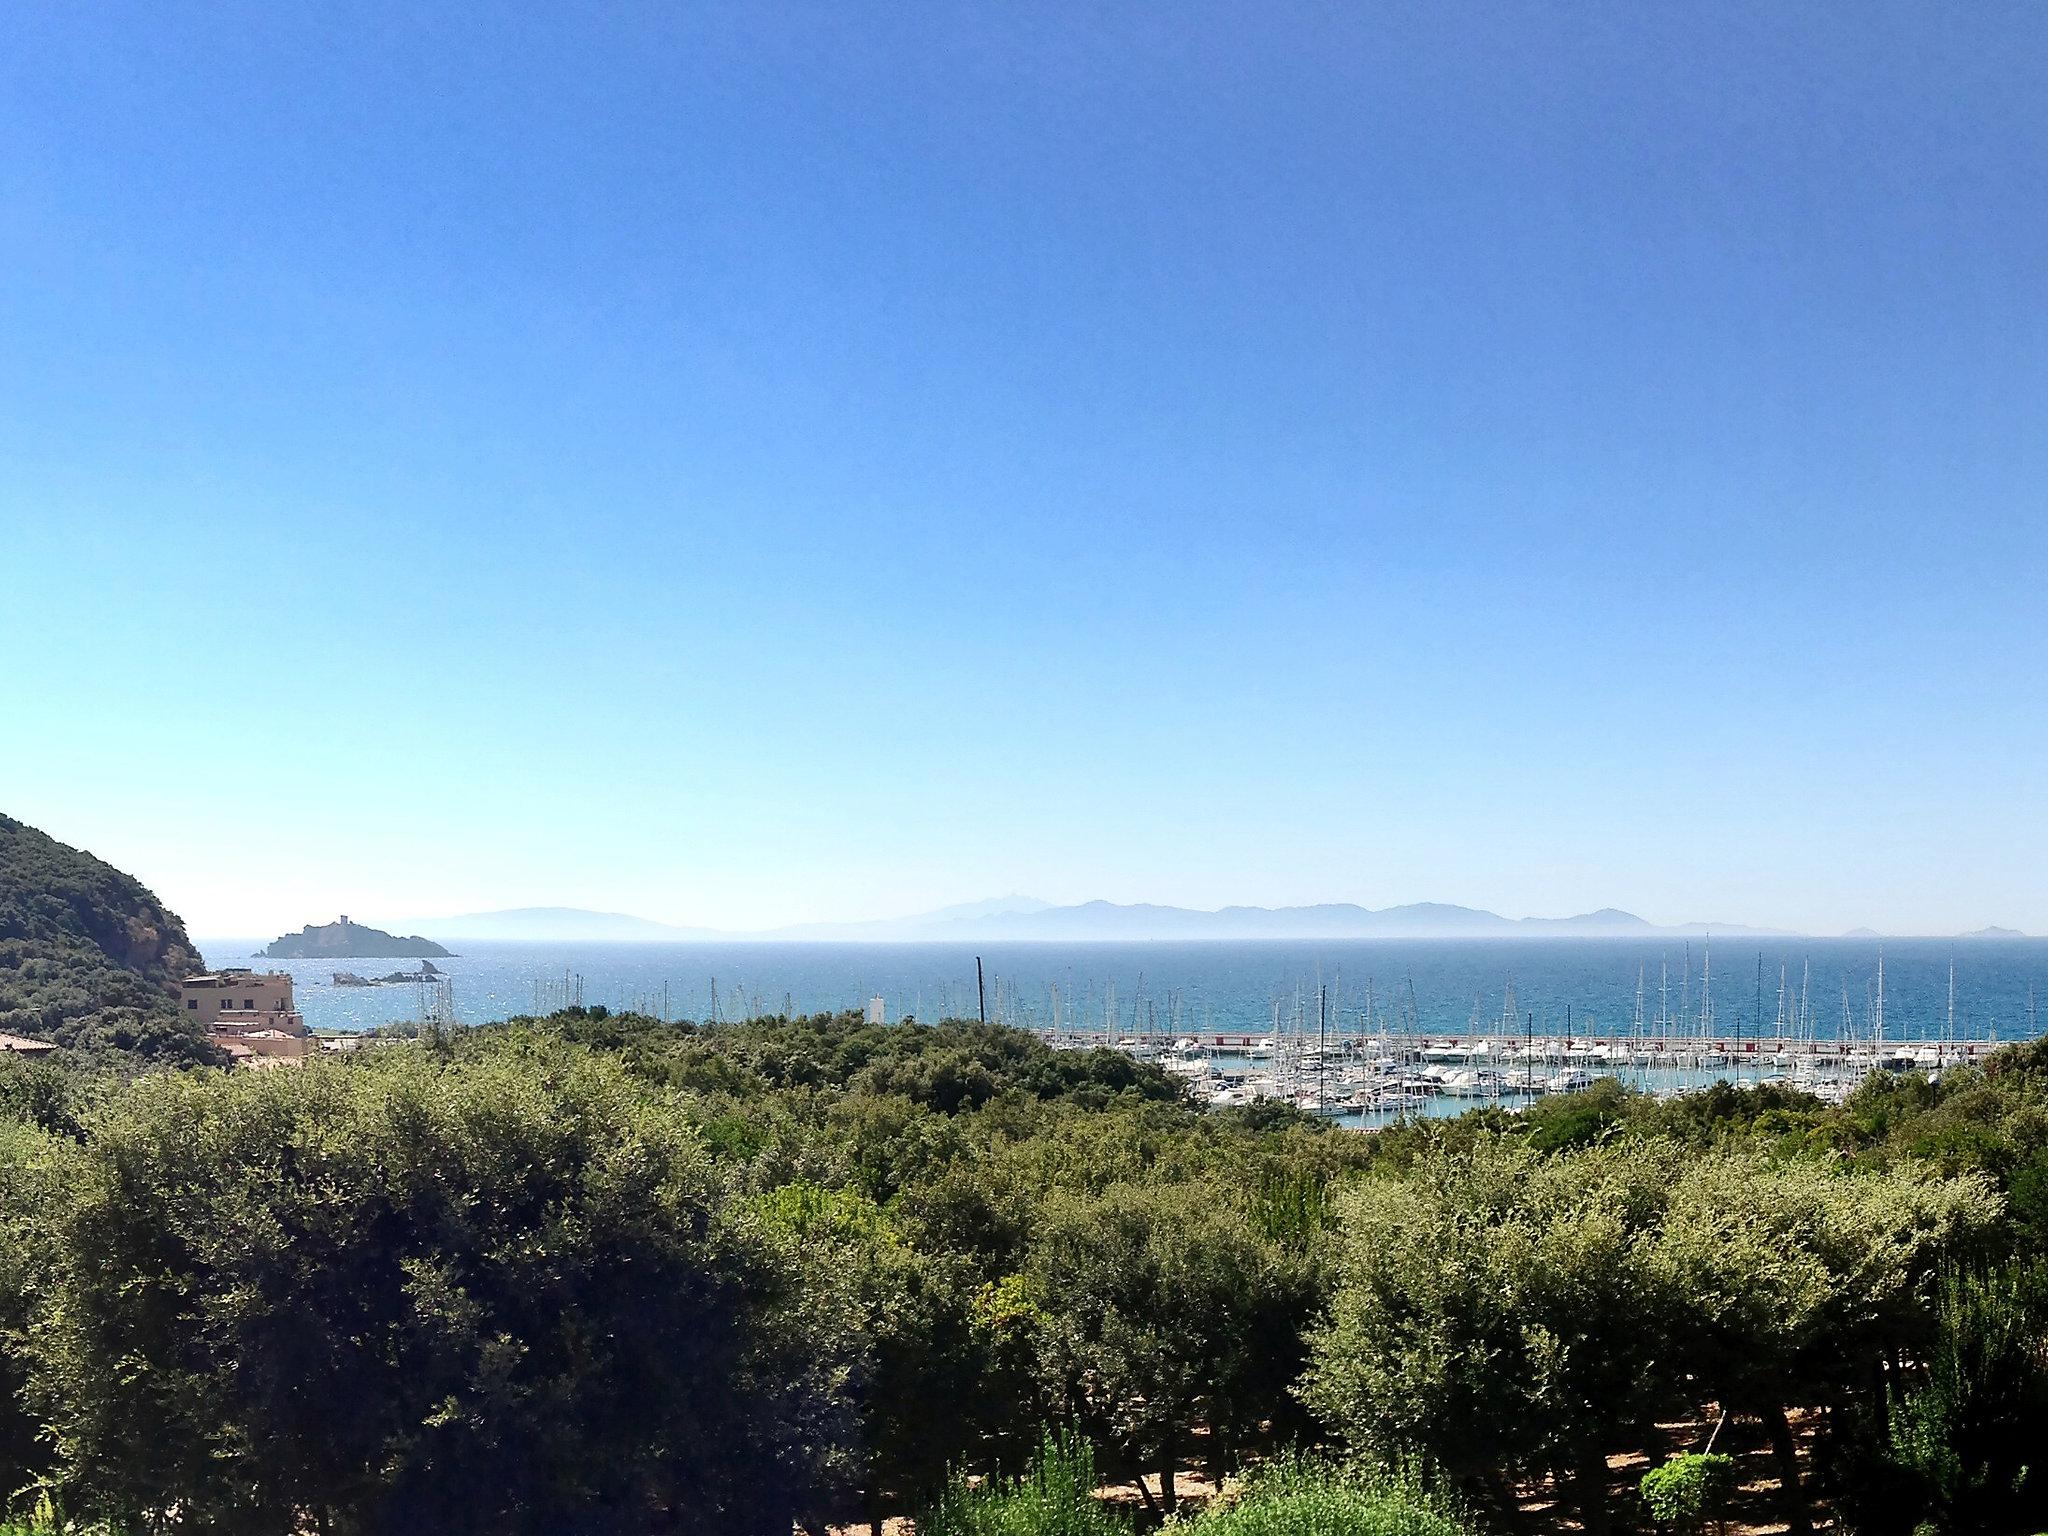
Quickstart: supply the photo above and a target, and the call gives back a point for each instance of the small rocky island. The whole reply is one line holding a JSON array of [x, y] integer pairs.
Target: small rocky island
[[344, 940], [428, 971]]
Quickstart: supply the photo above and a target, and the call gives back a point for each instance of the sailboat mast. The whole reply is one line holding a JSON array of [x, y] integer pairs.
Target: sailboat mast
[[1685, 990], [1707, 992]]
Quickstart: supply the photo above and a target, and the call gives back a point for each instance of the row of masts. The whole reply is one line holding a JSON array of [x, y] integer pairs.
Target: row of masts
[[1388, 1012], [1796, 1015]]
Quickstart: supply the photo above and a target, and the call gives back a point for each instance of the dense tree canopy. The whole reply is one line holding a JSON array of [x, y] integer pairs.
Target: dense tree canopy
[[512, 1296], [1503, 1311], [605, 1274]]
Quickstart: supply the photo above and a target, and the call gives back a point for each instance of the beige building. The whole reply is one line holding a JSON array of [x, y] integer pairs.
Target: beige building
[[240, 994], [248, 1014]]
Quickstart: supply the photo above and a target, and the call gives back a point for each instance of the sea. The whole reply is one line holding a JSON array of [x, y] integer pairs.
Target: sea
[[1149, 994], [1584, 986]]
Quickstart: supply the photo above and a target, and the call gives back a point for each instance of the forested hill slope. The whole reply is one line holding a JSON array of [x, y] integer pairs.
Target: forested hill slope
[[88, 956]]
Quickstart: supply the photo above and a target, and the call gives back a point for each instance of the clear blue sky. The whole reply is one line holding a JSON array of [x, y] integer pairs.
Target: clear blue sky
[[756, 463]]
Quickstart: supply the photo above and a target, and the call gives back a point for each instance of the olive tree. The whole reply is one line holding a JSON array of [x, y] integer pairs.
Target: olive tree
[[1494, 1316], [916, 1384], [499, 1295], [1167, 1307], [1800, 1279], [1501, 1312]]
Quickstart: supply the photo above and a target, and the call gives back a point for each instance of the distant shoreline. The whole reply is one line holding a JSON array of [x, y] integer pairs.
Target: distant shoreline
[[244, 943]]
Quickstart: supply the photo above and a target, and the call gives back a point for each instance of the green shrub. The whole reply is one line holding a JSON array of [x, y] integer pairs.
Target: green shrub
[[40, 1516], [1308, 1498], [1967, 1439], [1054, 1497], [1689, 1491]]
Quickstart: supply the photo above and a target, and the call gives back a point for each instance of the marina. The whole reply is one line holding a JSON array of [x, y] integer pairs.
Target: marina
[[1353, 1068], [1376, 1079]]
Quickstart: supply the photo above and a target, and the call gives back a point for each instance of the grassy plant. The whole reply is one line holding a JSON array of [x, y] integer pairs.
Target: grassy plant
[[42, 1518], [1054, 1497], [1293, 1497], [1311, 1498]]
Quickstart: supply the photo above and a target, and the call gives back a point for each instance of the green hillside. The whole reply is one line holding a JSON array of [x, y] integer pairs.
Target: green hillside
[[88, 956]]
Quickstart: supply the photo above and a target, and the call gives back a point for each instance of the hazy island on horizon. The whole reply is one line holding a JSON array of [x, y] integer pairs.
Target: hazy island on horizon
[[1024, 918]]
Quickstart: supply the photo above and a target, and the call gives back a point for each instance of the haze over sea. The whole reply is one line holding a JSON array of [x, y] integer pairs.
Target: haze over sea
[[1218, 986]]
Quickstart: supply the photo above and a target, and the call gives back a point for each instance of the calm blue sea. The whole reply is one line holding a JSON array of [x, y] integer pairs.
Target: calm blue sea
[[1201, 988]]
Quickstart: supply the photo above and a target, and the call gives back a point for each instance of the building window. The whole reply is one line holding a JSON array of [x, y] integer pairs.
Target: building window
[[191, 1002], [248, 1002]]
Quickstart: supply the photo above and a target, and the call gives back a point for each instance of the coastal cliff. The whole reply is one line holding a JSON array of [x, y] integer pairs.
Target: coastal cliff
[[89, 957]]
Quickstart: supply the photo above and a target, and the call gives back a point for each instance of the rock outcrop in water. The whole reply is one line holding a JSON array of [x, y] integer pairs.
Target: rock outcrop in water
[[428, 971]]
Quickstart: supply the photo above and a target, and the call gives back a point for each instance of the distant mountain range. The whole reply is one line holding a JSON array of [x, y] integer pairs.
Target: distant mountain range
[[1023, 918], [1018, 919]]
